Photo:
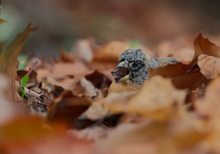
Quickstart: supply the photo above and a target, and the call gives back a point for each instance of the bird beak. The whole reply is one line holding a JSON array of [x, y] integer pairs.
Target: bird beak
[[121, 72]]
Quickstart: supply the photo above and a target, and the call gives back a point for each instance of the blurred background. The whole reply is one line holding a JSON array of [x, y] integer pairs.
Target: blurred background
[[62, 22]]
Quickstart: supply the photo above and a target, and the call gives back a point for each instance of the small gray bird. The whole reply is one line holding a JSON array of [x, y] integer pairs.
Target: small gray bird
[[134, 64]]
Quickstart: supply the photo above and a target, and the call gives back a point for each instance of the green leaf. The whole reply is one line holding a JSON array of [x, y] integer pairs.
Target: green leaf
[[24, 81], [23, 93]]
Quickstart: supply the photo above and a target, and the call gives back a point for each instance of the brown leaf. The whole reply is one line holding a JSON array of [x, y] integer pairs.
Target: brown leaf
[[179, 48], [182, 132], [208, 108], [32, 135], [204, 46], [8, 110], [68, 108], [8, 57], [111, 51], [98, 110], [85, 88], [100, 81], [209, 105], [121, 87], [195, 73], [57, 144], [25, 128], [206, 55], [183, 75], [209, 66], [103, 67], [83, 50], [154, 100], [10, 53], [66, 57], [65, 75]]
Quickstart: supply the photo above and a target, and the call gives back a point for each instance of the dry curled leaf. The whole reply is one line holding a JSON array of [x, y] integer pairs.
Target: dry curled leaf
[[86, 88], [154, 100], [65, 75], [181, 133], [204, 46], [208, 55], [195, 73], [209, 66], [9, 55], [183, 75], [98, 110], [100, 81], [68, 108]]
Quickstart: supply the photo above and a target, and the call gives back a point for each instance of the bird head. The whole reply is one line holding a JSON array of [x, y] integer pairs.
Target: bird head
[[131, 67]]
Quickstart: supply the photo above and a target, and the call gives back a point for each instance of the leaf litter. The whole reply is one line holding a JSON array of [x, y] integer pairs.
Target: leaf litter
[[74, 105]]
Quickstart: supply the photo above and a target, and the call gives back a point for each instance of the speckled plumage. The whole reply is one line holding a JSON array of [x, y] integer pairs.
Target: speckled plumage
[[137, 63], [132, 55]]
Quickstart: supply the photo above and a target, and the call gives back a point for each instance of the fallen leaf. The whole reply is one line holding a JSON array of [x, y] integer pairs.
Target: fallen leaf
[[11, 53], [65, 75], [122, 87], [196, 72], [66, 57], [32, 135], [183, 76], [207, 54], [86, 89], [68, 108], [57, 144], [100, 81], [95, 112], [98, 110], [8, 57], [154, 100], [204, 46], [179, 48], [209, 104], [111, 51], [8, 110], [207, 107], [83, 50], [179, 134], [209, 66]]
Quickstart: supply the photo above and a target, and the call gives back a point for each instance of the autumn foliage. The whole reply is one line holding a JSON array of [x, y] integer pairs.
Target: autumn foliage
[[73, 105]]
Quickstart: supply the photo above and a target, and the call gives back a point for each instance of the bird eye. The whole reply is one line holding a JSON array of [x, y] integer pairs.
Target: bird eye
[[136, 65], [133, 64]]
